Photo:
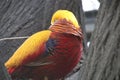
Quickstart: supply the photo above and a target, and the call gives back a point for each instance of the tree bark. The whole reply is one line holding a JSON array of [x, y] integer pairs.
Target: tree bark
[[104, 52], [25, 17]]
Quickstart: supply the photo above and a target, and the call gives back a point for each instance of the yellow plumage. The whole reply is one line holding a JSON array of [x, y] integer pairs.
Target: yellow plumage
[[31, 45], [65, 14]]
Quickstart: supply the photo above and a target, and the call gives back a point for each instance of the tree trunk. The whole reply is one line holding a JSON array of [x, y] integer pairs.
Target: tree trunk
[[25, 17], [103, 60]]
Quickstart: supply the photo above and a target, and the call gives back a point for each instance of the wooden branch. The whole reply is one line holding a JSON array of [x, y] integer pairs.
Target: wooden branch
[[13, 38]]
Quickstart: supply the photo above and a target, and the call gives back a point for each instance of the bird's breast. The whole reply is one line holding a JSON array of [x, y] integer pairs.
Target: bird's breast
[[66, 53]]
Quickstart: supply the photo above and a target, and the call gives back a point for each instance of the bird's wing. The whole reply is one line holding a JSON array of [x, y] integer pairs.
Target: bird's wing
[[29, 50], [44, 58]]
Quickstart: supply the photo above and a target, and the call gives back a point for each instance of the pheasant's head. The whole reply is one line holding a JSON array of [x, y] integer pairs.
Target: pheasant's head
[[65, 14]]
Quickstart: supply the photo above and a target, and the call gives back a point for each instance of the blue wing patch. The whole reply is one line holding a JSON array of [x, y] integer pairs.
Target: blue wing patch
[[50, 46]]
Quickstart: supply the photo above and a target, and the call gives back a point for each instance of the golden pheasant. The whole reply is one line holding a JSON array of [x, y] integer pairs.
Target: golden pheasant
[[51, 53]]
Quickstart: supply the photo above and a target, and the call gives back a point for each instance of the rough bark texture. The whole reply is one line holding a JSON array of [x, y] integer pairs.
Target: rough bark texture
[[103, 61], [25, 17]]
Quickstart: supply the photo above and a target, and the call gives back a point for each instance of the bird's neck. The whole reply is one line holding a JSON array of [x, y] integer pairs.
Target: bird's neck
[[64, 26]]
